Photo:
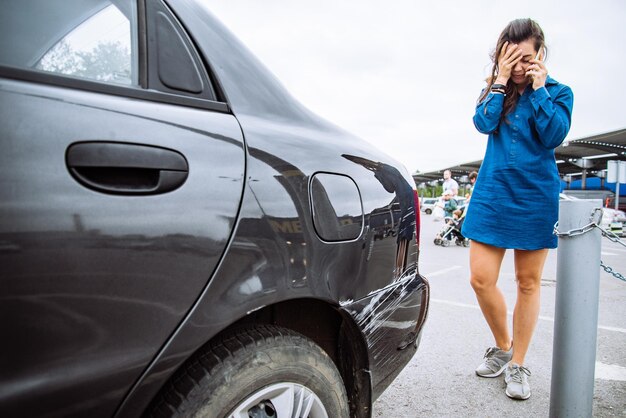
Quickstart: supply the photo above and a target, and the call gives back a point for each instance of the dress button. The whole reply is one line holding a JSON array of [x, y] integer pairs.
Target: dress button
[[514, 141]]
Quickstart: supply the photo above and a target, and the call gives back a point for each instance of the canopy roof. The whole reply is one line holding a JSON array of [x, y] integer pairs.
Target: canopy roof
[[572, 157]]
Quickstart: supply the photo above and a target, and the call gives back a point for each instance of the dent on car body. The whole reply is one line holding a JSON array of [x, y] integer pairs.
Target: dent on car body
[[390, 319]]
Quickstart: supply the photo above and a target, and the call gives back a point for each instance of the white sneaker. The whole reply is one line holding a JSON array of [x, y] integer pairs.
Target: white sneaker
[[516, 378], [495, 362]]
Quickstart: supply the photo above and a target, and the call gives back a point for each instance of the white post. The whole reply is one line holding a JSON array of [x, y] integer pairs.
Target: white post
[[576, 316], [621, 178], [616, 173]]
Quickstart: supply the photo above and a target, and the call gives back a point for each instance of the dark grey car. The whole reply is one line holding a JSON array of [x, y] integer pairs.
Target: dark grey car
[[179, 236]]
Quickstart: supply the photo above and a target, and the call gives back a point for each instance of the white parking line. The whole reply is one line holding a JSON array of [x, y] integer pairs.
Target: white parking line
[[543, 318], [440, 272], [610, 372]]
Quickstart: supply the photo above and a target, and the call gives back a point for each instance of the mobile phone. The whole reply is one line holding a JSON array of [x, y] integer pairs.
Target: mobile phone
[[538, 53], [537, 58]]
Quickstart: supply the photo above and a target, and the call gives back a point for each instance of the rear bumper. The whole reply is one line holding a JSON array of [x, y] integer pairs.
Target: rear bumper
[[391, 320]]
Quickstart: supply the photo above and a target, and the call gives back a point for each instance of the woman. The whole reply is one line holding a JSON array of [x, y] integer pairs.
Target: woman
[[526, 114]]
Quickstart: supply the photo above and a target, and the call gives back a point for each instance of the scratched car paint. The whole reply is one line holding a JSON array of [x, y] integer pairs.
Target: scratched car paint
[[168, 210]]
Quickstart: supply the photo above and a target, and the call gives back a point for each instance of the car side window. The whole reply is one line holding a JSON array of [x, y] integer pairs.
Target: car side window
[[90, 40], [100, 48], [128, 47]]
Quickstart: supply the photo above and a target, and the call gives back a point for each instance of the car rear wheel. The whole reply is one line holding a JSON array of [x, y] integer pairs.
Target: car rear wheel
[[265, 371], [428, 211], [281, 400]]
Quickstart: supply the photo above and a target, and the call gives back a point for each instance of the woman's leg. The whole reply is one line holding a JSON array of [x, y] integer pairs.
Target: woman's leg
[[528, 270], [485, 262]]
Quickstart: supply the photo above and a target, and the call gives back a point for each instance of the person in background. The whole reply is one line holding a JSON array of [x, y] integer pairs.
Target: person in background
[[526, 114], [449, 203], [462, 210], [450, 184], [468, 196], [472, 179]]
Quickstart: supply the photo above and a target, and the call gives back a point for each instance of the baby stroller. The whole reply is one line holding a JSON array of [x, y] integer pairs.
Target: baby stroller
[[451, 231]]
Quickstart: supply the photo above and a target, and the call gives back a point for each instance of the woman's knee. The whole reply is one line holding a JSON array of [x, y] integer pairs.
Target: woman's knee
[[528, 284], [481, 282], [528, 270], [485, 261]]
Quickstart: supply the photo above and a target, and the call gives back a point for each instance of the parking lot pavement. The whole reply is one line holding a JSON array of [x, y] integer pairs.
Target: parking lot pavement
[[440, 380]]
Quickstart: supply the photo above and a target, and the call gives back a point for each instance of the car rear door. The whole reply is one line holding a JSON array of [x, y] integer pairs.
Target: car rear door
[[121, 175]]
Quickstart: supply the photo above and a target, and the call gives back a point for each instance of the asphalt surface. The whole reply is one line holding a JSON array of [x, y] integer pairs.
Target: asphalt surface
[[440, 380]]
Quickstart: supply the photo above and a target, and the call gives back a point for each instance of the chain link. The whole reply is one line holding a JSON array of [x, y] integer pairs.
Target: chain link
[[611, 236], [609, 270], [594, 223]]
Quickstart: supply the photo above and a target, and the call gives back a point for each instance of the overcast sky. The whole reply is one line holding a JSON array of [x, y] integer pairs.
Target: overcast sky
[[405, 74]]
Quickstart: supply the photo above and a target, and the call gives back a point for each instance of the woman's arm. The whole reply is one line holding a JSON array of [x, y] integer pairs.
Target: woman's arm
[[488, 112], [553, 115]]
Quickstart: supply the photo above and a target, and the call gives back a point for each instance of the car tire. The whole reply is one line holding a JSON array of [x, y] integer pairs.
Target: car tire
[[265, 370], [428, 211]]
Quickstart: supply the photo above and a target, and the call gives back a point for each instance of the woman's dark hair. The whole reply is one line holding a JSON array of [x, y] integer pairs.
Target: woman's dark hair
[[516, 31]]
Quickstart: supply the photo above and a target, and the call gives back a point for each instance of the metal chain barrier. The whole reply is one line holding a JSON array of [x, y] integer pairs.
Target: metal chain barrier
[[594, 222], [609, 270]]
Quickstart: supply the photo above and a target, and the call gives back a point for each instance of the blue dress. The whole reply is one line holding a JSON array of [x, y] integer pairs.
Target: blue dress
[[516, 196]]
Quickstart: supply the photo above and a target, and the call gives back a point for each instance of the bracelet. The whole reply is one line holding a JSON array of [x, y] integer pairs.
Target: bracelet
[[498, 87], [501, 91]]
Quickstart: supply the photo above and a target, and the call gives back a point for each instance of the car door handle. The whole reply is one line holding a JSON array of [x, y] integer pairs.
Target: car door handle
[[126, 169]]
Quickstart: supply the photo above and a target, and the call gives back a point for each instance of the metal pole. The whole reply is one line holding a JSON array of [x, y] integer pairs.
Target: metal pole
[[576, 316], [620, 167], [583, 183]]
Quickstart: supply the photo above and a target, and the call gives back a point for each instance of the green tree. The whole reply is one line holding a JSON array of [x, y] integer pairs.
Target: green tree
[[60, 59], [108, 61]]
